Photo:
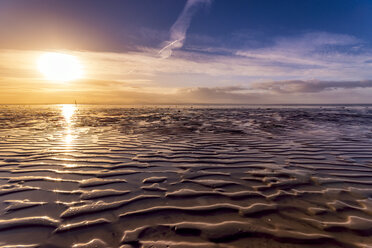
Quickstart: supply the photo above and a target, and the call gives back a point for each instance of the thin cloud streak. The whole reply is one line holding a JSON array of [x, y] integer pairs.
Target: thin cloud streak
[[311, 86], [180, 27]]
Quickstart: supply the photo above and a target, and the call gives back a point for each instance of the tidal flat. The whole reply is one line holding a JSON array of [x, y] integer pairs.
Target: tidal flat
[[185, 176]]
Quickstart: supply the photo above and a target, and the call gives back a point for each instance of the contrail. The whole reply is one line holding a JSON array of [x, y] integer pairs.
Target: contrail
[[179, 28]]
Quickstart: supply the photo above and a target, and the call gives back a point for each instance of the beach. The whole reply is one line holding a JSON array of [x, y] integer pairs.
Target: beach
[[185, 176]]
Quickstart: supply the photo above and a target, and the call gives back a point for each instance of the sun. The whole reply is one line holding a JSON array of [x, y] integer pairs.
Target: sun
[[60, 67]]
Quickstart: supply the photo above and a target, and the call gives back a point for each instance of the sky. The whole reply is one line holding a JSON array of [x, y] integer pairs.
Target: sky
[[189, 51]]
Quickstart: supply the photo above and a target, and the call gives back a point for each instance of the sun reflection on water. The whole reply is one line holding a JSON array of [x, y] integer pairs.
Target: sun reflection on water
[[68, 111], [68, 139]]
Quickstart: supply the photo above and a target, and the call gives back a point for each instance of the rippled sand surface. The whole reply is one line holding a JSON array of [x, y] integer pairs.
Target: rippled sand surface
[[101, 176]]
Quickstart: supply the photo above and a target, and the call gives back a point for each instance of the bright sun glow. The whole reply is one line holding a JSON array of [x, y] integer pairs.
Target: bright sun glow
[[60, 67]]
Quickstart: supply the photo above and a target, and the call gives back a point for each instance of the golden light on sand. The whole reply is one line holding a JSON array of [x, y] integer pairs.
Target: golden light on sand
[[60, 67], [68, 139]]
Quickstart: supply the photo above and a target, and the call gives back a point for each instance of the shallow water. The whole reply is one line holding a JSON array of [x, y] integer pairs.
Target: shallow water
[[185, 176]]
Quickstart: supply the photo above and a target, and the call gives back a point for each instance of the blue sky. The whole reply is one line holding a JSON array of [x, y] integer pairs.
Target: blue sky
[[221, 51], [118, 25]]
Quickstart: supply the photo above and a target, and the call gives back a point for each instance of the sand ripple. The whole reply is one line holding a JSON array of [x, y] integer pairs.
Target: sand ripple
[[185, 177]]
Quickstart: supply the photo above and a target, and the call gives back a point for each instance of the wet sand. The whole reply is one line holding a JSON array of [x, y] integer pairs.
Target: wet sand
[[111, 176]]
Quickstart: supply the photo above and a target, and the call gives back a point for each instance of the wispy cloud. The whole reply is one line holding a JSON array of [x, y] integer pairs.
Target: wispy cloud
[[305, 69], [179, 28], [305, 57], [311, 50], [310, 86]]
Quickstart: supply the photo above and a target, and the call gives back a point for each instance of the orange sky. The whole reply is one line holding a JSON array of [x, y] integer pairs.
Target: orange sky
[[141, 52]]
